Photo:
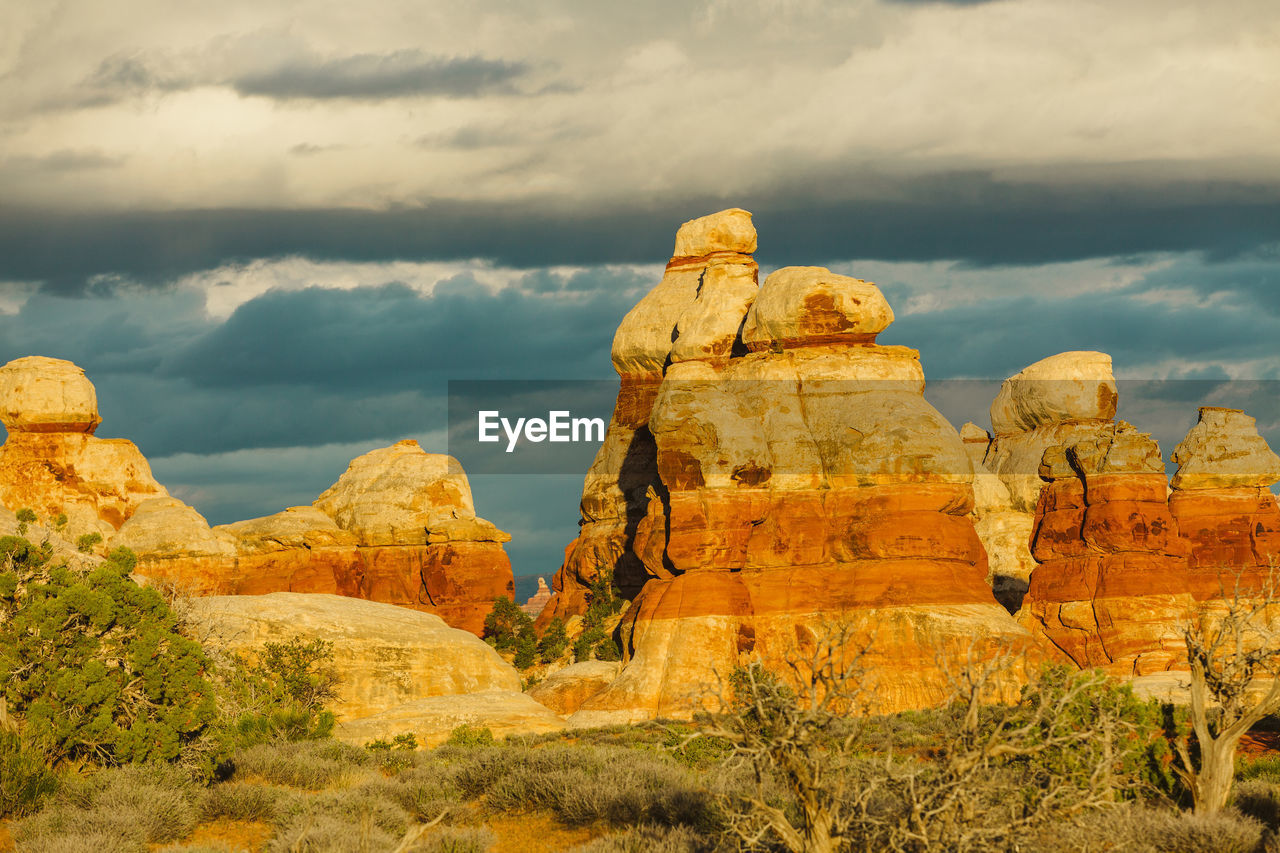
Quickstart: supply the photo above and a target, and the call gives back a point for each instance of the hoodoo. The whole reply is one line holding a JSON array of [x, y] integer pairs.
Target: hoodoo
[[773, 472], [398, 527]]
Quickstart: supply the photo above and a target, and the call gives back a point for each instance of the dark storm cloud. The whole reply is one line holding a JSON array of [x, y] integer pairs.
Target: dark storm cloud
[[967, 216], [390, 337], [997, 337], [372, 76], [317, 366]]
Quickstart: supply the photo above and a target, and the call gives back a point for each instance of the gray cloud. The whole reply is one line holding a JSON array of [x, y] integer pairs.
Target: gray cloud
[[969, 216], [371, 76]]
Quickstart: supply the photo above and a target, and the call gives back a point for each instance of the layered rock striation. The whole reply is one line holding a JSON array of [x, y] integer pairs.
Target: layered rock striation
[[794, 478], [1224, 506], [1112, 588], [398, 527], [52, 463]]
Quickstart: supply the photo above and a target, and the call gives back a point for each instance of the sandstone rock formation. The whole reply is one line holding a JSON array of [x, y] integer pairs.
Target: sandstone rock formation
[[564, 690], [533, 607], [1223, 504], [1111, 589], [695, 311], [399, 526], [769, 481], [1005, 532], [431, 721], [400, 670], [385, 656], [51, 461], [1055, 401]]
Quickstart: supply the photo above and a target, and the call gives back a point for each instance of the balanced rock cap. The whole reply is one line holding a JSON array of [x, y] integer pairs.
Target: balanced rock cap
[[1224, 451], [727, 231], [1069, 386], [799, 305], [39, 394]]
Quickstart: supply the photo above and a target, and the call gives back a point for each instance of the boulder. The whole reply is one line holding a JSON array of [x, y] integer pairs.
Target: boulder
[[805, 304], [431, 721], [402, 495], [39, 394], [694, 313], [1224, 451], [564, 690], [1055, 402], [385, 656], [1069, 386]]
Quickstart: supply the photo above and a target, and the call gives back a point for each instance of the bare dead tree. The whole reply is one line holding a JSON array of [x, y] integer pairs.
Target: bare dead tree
[[1008, 767], [798, 727], [1000, 762], [1234, 656]]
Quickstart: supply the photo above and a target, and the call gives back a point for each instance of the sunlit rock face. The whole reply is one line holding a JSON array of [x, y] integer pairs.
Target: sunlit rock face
[[1224, 506], [1112, 588], [1005, 531], [399, 671], [398, 527], [772, 471], [53, 464]]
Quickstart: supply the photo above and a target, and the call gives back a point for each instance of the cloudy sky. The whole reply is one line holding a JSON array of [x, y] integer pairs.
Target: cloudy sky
[[272, 232]]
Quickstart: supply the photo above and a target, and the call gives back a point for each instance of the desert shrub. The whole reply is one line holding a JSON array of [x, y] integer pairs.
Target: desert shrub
[[425, 794], [303, 764], [1260, 800], [456, 839], [26, 516], [526, 647], [25, 778], [120, 809], [694, 750], [1140, 758], [603, 604], [281, 696], [328, 833], [554, 641], [86, 542], [239, 801], [368, 803], [467, 735], [304, 670], [95, 663], [646, 839], [583, 785], [502, 625], [1265, 767], [1135, 828]]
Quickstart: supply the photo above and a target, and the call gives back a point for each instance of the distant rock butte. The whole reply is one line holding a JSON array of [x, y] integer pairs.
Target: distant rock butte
[[538, 600], [398, 527]]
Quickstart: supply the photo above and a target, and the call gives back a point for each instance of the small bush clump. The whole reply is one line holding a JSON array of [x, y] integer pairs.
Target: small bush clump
[[25, 778]]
